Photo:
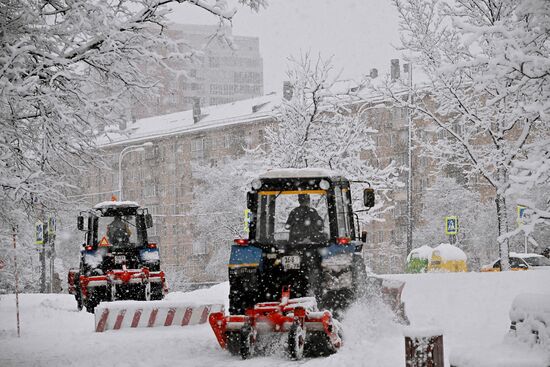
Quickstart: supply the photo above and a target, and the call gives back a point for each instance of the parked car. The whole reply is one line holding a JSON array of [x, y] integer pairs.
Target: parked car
[[521, 261]]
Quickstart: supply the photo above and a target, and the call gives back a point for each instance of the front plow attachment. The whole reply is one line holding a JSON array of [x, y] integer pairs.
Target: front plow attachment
[[304, 329]]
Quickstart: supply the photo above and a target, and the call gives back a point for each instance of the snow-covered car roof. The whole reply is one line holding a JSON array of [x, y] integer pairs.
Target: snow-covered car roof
[[523, 255], [116, 204], [299, 173]]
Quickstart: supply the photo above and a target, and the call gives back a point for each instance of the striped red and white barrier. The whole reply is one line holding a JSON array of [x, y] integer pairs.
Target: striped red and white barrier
[[132, 314]]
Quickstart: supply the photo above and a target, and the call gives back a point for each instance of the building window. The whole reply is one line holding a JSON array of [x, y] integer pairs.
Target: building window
[[198, 146], [149, 190], [199, 247]]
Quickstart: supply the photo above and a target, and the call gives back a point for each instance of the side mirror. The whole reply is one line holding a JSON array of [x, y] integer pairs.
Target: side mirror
[[250, 200], [80, 223], [148, 220], [368, 197], [364, 236]]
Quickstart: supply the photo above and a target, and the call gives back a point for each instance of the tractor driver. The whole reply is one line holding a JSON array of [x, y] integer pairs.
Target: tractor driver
[[304, 222], [118, 232]]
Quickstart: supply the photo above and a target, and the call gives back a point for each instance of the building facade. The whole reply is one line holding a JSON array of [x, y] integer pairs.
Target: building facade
[[217, 73]]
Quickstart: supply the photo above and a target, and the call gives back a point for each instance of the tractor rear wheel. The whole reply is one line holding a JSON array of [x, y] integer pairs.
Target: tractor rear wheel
[[233, 342]]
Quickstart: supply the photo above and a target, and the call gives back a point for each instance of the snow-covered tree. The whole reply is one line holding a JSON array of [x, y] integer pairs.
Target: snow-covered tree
[[317, 126], [486, 68], [477, 226], [218, 208], [66, 68]]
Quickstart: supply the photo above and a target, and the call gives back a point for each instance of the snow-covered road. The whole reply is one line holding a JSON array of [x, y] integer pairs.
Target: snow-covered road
[[470, 308]]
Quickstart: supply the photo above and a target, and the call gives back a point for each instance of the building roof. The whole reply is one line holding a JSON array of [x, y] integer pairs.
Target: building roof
[[238, 112]]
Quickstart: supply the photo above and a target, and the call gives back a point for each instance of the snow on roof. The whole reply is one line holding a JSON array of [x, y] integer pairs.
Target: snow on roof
[[211, 116], [522, 255], [299, 173], [116, 204], [422, 252], [450, 252]]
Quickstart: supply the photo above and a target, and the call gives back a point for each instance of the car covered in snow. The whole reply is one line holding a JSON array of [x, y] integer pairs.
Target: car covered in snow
[[521, 261]]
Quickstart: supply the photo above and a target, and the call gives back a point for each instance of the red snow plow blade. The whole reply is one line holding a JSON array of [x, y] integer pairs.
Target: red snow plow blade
[[307, 330]]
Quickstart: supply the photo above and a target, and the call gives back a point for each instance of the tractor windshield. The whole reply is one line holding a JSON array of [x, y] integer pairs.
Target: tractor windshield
[[296, 217], [117, 231]]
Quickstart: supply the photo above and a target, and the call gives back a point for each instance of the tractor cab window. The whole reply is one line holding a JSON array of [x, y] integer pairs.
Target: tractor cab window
[[295, 217], [342, 212], [117, 231]]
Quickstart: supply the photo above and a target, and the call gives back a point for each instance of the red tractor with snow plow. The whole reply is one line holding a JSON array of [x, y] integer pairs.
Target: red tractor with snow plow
[[117, 261]]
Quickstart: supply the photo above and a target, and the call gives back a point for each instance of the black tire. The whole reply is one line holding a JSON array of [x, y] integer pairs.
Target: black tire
[[156, 292], [318, 345], [246, 344], [79, 304], [90, 306], [233, 342], [147, 292], [296, 341]]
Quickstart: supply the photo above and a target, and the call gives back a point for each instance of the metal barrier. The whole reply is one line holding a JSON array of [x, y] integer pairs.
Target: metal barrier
[[136, 314]]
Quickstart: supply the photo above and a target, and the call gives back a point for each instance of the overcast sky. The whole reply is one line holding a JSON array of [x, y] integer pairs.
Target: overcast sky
[[359, 33]]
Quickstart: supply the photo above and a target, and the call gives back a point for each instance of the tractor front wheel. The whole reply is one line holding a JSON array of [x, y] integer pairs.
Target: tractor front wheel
[[296, 341], [247, 341]]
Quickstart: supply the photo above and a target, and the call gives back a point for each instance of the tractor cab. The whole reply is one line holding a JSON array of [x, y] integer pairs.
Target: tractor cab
[[303, 233], [117, 232], [311, 210]]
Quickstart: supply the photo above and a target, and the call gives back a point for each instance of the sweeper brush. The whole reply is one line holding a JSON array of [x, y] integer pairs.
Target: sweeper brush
[[304, 329]]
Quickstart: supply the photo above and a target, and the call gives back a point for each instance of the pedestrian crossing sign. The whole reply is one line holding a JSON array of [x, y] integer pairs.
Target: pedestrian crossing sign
[[521, 214], [39, 233], [451, 225]]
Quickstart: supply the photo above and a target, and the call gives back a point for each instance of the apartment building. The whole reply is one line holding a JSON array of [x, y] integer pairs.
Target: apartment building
[[218, 73]]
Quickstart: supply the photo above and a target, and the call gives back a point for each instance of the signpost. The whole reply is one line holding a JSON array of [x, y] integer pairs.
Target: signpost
[[16, 279], [39, 232], [51, 240], [451, 228], [520, 209]]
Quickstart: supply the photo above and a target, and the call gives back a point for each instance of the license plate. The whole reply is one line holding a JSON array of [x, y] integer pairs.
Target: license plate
[[119, 259], [291, 262]]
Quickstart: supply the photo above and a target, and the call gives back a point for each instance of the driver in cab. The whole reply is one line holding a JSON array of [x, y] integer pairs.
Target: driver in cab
[[118, 232], [304, 222]]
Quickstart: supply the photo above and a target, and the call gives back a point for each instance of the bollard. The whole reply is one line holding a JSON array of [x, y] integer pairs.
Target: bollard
[[423, 348]]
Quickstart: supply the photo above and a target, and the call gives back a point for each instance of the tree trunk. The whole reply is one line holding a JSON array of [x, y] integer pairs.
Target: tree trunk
[[502, 229]]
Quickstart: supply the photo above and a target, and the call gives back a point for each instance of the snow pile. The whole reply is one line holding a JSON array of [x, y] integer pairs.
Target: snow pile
[[213, 295], [449, 252], [422, 252], [530, 313]]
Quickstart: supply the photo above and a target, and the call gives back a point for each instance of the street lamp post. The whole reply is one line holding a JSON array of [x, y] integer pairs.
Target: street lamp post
[[128, 149], [409, 172]]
